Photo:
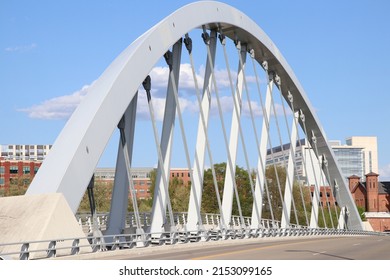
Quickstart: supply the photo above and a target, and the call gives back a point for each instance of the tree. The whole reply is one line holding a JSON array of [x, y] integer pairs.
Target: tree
[[102, 193], [209, 197], [275, 174], [276, 178], [362, 214], [17, 186], [179, 195]]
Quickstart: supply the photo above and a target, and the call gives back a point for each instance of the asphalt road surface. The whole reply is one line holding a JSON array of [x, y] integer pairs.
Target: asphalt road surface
[[314, 248]]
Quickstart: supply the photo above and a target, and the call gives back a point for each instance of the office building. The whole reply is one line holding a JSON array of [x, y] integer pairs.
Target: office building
[[359, 156]]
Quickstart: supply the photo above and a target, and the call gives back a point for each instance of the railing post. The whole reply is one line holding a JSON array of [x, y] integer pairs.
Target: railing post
[[115, 243], [75, 247], [51, 250], [24, 252]]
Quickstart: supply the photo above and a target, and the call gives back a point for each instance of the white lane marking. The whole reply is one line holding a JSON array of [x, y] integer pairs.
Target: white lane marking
[[356, 244], [315, 254]]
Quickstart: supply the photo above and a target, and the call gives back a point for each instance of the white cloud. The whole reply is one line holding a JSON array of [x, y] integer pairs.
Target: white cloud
[[63, 106], [58, 107], [186, 105], [384, 172], [159, 77], [22, 48]]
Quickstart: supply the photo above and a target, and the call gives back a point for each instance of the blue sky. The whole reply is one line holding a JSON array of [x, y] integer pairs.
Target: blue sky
[[51, 51]]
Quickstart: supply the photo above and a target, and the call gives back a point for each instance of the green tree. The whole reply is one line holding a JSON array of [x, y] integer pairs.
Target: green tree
[[179, 195], [209, 197], [102, 193], [17, 186], [362, 214], [276, 178]]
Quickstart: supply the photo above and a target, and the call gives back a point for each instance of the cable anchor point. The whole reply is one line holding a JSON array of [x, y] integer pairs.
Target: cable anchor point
[[147, 84], [188, 43]]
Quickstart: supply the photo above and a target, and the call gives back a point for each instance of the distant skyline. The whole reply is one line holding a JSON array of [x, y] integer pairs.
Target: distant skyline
[[52, 51]]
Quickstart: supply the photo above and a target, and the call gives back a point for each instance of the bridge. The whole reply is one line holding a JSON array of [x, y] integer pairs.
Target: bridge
[[233, 116]]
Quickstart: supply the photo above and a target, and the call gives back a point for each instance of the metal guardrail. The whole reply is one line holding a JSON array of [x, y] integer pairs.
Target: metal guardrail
[[180, 219], [53, 248], [211, 232]]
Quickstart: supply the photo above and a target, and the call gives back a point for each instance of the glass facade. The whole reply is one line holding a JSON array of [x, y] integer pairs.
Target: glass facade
[[350, 161]]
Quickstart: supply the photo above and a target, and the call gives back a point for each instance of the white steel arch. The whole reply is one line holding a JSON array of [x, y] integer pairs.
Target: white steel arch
[[70, 164]]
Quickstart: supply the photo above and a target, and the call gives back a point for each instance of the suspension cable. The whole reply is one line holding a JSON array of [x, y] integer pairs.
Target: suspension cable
[[168, 57], [324, 163], [291, 149], [234, 96], [121, 126], [302, 118], [205, 37], [314, 140], [329, 181], [188, 44], [314, 171], [291, 100], [322, 181], [147, 86], [271, 146], [265, 65]]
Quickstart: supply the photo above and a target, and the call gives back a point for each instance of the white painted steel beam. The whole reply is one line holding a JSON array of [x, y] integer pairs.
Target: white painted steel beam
[[228, 191], [159, 219], [120, 193], [199, 164], [316, 190], [259, 187], [288, 190]]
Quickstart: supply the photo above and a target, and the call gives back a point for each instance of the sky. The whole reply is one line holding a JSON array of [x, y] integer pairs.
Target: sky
[[52, 51]]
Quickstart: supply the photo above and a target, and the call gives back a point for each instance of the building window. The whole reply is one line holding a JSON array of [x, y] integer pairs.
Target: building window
[[1, 181], [26, 169], [36, 168], [2, 171], [327, 194], [13, 170]]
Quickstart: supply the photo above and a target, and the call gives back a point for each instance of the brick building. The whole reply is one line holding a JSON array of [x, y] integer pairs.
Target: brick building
[[182, 174], [13, 171], [326, 196], [142, 178], [374, 197]]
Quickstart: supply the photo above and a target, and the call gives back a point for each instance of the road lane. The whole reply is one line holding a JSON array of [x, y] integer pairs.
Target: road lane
[[284, 248]]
